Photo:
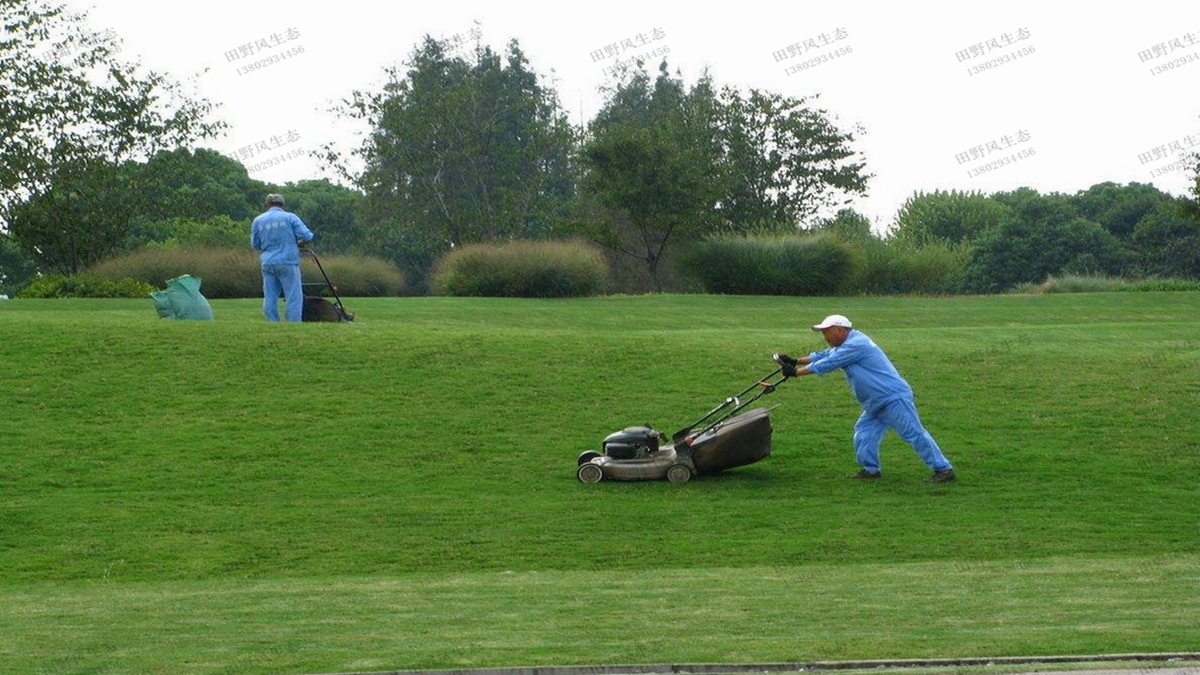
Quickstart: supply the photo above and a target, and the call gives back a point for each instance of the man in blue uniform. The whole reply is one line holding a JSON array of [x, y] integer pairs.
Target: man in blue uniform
[[276, 234], [886, 399]]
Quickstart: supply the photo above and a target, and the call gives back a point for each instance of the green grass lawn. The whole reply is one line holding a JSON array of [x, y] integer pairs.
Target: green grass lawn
[[240, 497]]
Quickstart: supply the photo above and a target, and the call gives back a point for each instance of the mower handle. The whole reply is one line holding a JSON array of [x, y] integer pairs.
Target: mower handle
[[763, 382]]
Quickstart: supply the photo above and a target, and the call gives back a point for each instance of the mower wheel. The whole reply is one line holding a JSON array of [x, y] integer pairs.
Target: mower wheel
[[587, 456], [679, 473], [590, 473]]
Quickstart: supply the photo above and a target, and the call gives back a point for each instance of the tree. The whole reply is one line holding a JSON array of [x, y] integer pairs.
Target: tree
[[666, 163], [847, 225], [783, 161], [16, 268], [460, 151], [953, 217], [1167, 242], [80, 218], [71, 114], [1041, 235], [198, 184], [1118, 208], [650, 160]]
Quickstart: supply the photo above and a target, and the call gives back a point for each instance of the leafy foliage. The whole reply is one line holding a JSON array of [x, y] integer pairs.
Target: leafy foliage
[[847, 225], [783, 160], [460, 151], [236, 272], [893, 266], [1168, 242], [1041, 236], [1119, 208], [772, 264], [85, 286], [954, 217], [524, 269], [16, 268], [649, 159], [70, 116], [666, 162]]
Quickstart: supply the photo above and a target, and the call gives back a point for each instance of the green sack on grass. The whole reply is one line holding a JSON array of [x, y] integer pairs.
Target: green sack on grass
[[182, 300]]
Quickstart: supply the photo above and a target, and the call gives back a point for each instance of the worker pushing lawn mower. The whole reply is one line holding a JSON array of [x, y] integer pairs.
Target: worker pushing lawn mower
[[885, 397], [724, 439], [281, 238]]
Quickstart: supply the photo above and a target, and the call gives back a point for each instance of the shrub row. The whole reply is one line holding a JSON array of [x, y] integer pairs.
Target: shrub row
[[85, 286], [1081, 283], [824, 265], [772, 265], [234, 272], [527, 269]]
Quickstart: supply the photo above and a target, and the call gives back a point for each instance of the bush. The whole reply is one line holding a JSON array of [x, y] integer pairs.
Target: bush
[[901, 267], [85, 286], [235, 272], [1162, 285], [772, 264], [1074, 283], [950, 217], [523, 269]]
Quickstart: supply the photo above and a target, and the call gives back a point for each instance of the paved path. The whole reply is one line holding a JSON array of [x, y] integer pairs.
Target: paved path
[[1153, 664]]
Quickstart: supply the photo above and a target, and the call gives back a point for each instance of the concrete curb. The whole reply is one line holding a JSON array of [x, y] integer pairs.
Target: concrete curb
[[746, 668]]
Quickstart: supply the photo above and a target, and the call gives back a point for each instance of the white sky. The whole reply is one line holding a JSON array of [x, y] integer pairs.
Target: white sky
[[1091, 99]]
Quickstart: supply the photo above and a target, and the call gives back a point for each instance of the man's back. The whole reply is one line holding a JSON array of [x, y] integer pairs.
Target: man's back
[[274, 233]]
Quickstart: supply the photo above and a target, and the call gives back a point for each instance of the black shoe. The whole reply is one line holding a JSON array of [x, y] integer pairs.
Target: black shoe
[[866, 475], [944, 476]]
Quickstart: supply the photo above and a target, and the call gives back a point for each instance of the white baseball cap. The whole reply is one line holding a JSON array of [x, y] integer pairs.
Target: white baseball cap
[[833, 320]]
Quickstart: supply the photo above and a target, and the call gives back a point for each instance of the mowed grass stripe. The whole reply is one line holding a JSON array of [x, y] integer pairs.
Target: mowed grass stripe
[[142, 450], [649, 615]]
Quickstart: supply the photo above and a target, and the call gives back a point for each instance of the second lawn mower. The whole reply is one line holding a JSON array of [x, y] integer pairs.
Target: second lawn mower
[[723, 438]]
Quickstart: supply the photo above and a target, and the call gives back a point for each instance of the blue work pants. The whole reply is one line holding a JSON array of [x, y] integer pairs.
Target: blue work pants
[[900, 415], [282, 279]]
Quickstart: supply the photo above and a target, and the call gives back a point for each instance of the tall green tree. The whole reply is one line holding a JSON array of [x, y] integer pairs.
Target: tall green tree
[[1167, 241], [784, 161], [667, 163], [1041, 235], [948, 216], [16, 268], [1118, 208], [71, 113], [460, 149], [650, 158], [847, 225]]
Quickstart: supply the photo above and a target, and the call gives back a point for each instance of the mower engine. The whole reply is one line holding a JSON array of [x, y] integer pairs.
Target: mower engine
[[632, 443]]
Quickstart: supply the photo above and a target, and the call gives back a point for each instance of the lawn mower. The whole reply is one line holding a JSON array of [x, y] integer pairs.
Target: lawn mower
[[317, 308], [723, 438]]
